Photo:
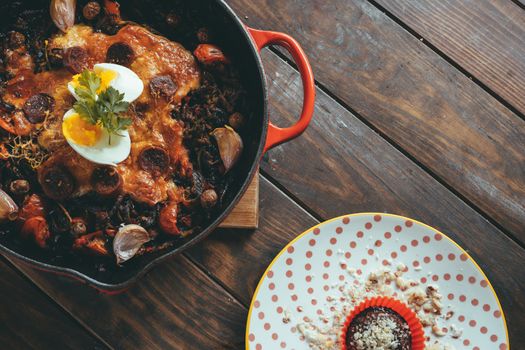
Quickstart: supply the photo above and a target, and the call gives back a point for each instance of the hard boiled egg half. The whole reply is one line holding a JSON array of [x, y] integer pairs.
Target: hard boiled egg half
[[92, 141]]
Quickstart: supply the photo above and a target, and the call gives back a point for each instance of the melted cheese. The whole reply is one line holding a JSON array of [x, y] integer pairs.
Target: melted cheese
[[154, 55]]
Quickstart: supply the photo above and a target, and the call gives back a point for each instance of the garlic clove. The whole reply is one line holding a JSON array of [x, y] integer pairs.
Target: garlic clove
[[230, 146], [8, 208], [63, 13], [128, 241]]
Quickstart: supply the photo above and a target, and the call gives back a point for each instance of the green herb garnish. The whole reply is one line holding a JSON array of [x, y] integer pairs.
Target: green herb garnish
[[106, 108]]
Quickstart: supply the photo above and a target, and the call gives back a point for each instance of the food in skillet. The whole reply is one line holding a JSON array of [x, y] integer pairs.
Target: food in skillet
[[115, 141]]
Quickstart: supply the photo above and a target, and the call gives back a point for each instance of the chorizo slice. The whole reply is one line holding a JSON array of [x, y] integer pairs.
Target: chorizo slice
[[38, 106], [36, 228], [208, 54], [75, 59], [106, 181], [57, 183], [154, 159], [33, 206], [162, 85], [120, 53], [168, 219]]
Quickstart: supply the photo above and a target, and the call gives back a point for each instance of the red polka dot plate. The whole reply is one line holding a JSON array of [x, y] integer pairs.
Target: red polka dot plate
[[300, 280]]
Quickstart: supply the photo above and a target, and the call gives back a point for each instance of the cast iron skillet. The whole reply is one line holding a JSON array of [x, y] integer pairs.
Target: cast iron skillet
[[245, 44]]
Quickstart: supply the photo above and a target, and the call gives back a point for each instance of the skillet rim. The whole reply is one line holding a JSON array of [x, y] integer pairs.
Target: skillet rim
[[121, 286]]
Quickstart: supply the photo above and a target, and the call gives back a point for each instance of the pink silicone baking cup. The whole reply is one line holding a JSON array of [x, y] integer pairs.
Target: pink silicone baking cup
[[416, 329]]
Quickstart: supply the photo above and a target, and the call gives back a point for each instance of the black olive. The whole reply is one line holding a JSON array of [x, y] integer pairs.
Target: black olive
[[58, 183], [154, 159], [38, 106], [91, 10], [106, 181], [120, 53], [162, 85], [75, 59]]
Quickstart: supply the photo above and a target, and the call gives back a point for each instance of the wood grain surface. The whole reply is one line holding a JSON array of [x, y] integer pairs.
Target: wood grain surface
[[30, 320], [176, 306], [246, 212], [340, 166], [396, 129], [486, 38], [412, 96]]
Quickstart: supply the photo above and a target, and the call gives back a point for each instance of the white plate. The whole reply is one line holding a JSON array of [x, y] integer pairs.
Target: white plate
[[310, 263]]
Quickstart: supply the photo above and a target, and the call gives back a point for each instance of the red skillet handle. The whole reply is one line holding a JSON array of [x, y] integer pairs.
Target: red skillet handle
[[277, 135]]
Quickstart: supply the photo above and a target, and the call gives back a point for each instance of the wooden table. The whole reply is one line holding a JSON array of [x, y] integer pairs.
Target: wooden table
[[420, 112]]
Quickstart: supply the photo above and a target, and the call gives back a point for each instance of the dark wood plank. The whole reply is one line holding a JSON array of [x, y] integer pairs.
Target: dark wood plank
[[487, 39], [357, 172], [174, 307], [411, 95], [340, 166], [30, 320]]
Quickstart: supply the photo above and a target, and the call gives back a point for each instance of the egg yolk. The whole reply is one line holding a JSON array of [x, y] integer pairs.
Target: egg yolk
[[80, 131], [106, 77]]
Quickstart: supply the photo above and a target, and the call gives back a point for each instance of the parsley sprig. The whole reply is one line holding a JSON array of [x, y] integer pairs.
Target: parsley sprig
[[106, 108]]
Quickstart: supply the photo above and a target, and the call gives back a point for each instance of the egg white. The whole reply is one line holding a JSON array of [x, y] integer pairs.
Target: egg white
[[126, 82], [102, 152]]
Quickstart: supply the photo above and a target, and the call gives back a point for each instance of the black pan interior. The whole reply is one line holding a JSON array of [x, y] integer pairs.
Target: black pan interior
[[228, 33]]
